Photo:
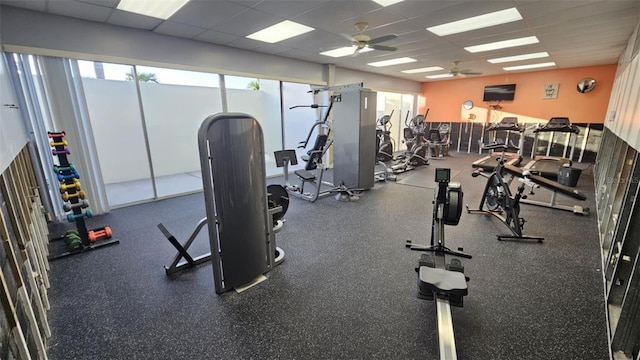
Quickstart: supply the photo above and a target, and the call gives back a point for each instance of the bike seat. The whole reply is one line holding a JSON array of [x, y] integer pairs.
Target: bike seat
[[442, 281]]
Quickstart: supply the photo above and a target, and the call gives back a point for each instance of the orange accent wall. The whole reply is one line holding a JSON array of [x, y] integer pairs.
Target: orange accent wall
[[445, 98]]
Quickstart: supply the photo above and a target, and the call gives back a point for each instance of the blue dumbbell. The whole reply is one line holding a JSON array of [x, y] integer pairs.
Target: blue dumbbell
[[73, 217], [73, 175]]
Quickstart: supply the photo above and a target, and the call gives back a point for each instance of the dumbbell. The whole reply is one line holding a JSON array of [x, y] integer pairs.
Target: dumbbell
[[82, 204], [79, 194], [53, 134], [58, 169], [73, 175], [59, 152], [73, 241], [60, 143], [64, 187], [73, 217], [103, 233]]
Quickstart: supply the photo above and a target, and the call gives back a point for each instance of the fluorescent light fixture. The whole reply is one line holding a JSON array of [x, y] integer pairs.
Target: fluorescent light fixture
[[439, 76], [503, 44], [157, 9], [344, 51], [402, 60], [477, 22], [530, 66], [537, 55], [280, 31], [421, 70], [387, 2]]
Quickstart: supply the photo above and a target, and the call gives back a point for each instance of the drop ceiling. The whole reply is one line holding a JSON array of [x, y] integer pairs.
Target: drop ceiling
[[575, 33]]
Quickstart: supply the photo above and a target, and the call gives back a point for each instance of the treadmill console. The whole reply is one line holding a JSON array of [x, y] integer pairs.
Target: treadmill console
[[560, 124], [507, 123]]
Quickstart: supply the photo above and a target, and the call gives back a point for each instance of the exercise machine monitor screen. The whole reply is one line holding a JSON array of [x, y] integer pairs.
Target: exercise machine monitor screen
[[443, 175]]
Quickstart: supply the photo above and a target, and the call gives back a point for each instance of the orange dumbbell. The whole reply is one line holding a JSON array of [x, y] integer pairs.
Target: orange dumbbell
[[103, 233]]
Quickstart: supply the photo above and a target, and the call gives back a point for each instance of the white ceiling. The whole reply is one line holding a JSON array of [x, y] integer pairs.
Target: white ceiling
[[574, 32]]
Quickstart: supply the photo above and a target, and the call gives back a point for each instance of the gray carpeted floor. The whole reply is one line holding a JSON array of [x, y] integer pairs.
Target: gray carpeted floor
[[346, 290]]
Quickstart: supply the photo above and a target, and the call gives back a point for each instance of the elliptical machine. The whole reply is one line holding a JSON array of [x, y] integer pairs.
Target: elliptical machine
[[383, 138], [417, 148], [437, 279]]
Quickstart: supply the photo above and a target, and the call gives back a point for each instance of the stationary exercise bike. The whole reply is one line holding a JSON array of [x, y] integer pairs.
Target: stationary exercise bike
[[498, 199], [437, 279]]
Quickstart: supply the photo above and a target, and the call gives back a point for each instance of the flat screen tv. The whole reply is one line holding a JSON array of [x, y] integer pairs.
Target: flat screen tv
[[499, 92]]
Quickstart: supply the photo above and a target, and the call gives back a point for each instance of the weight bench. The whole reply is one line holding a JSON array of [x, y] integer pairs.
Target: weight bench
[[555, 187]]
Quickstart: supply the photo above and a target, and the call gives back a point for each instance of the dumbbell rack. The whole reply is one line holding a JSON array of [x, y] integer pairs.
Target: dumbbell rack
[[74, 196]]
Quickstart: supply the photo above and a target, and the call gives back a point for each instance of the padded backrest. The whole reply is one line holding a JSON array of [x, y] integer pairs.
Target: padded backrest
[[315, 154]]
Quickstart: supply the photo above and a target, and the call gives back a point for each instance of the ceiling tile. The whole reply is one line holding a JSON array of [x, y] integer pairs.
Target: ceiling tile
[[80, 10], [179, 30], [247, 22], [207, 14], [38, 5], [105, 3], [215, 37], [289, 9]]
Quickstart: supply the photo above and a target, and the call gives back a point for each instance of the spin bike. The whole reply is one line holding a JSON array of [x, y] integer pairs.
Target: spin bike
[[497, 197], [437, 279]]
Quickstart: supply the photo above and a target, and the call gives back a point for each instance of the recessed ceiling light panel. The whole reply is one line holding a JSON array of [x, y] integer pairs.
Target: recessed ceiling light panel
[[439, 76], [280, 31], [503, 44], [530, 66], [397, 61], [537, 55], [421, 70], [344, 51], [477, 22], [387, 2], [157, 9]]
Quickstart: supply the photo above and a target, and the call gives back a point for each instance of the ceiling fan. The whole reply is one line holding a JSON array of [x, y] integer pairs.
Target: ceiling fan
[[362, 41], [455, 70]]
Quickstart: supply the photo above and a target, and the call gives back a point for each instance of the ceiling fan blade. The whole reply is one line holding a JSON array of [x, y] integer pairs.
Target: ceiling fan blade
[[383, 38], [356, 52], [469, 72], [382, 47]]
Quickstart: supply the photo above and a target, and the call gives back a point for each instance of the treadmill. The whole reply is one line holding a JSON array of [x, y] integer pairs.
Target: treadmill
[[509, 125], [547, 166]]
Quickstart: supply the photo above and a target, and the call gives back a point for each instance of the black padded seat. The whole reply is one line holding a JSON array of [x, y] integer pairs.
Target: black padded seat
[[442, 281], [305, 175]]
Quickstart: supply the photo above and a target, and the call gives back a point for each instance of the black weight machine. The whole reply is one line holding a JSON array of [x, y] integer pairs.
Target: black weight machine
[[313, 171], [437, 279]]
